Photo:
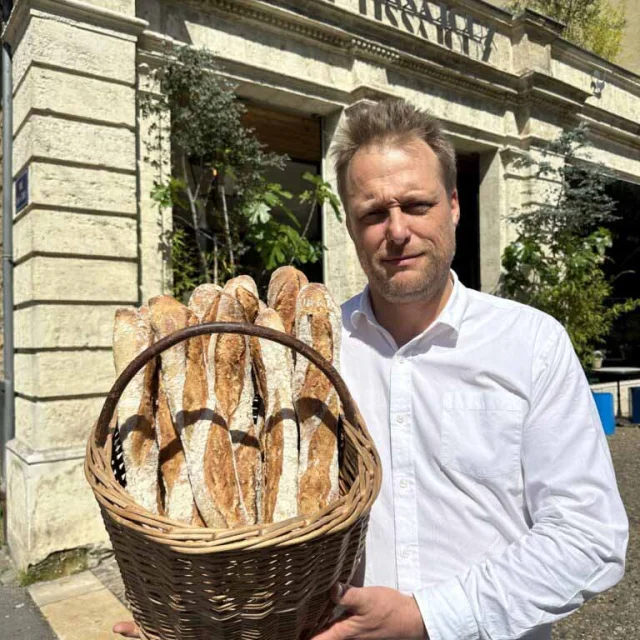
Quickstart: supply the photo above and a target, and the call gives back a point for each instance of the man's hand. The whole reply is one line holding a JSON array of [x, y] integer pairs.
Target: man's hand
[[126, 629], [372, 613], [375, 613]]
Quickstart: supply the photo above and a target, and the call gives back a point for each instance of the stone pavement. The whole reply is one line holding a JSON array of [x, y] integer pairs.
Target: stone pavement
[[83, 606]]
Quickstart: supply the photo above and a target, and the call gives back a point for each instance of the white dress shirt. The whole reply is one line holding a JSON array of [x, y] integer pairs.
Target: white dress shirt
[[499, 509]]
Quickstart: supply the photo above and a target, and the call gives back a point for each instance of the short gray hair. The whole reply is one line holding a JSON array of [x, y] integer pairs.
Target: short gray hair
[[391, 121]]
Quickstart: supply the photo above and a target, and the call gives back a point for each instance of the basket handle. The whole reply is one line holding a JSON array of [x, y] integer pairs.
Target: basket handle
[[109, 406]]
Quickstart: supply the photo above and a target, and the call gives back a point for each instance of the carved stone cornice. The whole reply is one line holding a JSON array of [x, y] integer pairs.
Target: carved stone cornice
[[612, 127], [438, 63], [364, 38], [373, 50], [279, 18], [588, 62], [543, 90], [76, 10], [541, 27], [458, 81]]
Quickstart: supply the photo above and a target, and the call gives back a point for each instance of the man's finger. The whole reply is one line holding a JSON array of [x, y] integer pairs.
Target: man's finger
[[128, 629], [340, 630]]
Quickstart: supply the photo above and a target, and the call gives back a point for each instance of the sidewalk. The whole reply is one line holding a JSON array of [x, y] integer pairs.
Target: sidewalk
[[80, 607]]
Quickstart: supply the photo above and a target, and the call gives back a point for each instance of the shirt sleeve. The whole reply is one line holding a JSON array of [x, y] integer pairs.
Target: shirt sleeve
[[577, 542]]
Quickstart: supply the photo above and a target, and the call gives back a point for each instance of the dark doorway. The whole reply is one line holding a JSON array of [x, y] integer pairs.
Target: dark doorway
[[623, 267], [467, 259], [299, 137]]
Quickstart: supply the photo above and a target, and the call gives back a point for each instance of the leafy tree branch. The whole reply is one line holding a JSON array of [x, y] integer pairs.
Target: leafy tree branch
[[596, 25], [221, 198], [556, 262]]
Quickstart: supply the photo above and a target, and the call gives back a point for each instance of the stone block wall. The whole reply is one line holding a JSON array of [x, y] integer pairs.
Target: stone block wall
[[77, 255]]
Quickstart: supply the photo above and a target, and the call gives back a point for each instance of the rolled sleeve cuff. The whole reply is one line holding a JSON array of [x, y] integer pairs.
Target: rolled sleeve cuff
[[446, 612]]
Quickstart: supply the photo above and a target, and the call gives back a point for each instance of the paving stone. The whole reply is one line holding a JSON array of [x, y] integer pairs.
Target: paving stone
[[109, 574], [87, 616], [44, 593]]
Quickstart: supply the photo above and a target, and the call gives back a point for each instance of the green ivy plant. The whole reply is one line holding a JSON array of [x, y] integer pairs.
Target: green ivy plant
[[596, 25], [556, 262], [228, 217]]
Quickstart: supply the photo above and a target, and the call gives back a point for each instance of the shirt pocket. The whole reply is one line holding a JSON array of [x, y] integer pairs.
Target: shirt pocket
[[482, 433]]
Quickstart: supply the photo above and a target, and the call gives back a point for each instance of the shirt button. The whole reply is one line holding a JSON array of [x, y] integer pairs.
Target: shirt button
[[401, 360], [404, 484], [404, 553], [399, 419]]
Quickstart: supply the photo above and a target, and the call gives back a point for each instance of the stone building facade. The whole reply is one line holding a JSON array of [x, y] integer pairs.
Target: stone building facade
[[87, 240]]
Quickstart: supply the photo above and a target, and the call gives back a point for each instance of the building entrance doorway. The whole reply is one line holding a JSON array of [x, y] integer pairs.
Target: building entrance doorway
[[467, 259], [623, 268]]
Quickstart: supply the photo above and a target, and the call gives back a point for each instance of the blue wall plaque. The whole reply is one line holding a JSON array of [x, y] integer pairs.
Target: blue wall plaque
[[22, 190]]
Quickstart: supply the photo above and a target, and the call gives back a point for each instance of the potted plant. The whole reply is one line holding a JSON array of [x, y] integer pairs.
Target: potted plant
[[598, 357]]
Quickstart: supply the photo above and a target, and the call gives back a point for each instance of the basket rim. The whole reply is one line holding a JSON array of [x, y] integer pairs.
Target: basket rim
[[189, 539], [336, 517]]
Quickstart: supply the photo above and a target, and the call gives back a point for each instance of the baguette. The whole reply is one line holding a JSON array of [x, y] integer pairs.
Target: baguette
[[272, 366], [284, 287], [179, 503], [244, 290], [230, 363], [202, 298], [207, 445], [318, 324], [131, 336], [204, 303]]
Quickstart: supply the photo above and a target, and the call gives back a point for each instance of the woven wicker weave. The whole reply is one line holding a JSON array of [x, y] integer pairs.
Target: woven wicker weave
[[258, 582]]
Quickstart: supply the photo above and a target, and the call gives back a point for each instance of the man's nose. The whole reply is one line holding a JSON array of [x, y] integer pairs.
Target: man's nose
[[397, 226]]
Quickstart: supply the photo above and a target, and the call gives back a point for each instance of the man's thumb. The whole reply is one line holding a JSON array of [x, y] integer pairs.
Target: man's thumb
[[346, 596]]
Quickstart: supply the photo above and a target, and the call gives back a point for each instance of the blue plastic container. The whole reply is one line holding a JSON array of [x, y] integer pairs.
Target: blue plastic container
[[604, 402], [635, 404]]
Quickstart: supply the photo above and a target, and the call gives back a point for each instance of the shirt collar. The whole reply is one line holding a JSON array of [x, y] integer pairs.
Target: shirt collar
[[451, 316]]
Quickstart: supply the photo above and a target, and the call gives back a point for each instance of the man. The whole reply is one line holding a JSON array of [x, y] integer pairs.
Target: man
[[499, 511]]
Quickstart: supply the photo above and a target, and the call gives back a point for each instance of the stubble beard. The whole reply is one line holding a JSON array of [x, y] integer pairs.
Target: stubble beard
[[424, 285]]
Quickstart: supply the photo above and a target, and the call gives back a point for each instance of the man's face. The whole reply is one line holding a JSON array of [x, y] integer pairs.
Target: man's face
[[401, 220]]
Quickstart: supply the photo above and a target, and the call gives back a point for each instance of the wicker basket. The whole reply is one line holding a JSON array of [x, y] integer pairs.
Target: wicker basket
[[258, 582]]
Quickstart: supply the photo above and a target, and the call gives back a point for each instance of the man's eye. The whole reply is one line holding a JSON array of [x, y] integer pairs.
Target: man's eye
[[417, 208], [373, 217]]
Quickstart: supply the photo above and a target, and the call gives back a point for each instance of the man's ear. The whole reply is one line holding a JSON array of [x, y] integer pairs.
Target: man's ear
[[455, 207]]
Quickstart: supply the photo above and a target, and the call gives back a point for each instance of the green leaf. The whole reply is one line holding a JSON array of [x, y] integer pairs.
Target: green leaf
[[259, 213]]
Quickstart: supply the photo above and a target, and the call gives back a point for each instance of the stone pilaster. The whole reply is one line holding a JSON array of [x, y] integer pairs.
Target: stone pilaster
[[77, 254], [493, 208], [343, 274]]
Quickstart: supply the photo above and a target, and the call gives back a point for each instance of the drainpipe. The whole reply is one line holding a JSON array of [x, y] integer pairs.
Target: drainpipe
[[7, 241]]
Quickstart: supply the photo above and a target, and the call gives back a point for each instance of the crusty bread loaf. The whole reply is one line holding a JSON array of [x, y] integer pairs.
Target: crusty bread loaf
[[202, 298], [187, 419], [244, 290], [179, 503], [230, 361], [318, 324], [272, 366], [131, 336], [207, 447], [284, 286]]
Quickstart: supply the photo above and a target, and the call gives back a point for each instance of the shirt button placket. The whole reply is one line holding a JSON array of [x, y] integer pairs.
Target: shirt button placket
[[402, 469]]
